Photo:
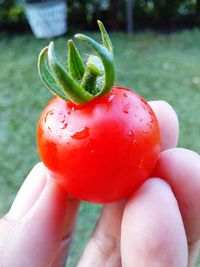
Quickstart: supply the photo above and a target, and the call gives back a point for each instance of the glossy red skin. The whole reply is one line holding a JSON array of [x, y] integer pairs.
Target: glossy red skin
[[100, 151]]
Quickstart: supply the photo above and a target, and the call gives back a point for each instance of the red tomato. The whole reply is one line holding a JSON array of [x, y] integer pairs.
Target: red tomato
[[100, 151]]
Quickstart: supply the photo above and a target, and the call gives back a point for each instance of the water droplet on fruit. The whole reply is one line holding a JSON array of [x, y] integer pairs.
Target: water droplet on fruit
[[63, 126], [80, 134], [143, 106], [141, 163], [49, 113], [125, 111], [110, 98], [130, 133], [124, 94], [149, 124], [61, 117], [62, 123]]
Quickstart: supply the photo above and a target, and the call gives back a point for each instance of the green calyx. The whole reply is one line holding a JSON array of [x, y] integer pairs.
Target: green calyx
[[81, 83]]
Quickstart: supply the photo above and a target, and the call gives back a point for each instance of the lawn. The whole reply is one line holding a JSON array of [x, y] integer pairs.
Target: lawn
[[156, 66]]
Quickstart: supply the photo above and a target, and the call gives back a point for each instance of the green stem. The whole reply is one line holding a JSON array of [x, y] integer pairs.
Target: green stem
[[92, 72]]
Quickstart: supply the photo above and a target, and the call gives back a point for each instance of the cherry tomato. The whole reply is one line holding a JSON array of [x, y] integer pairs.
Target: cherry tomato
[[100, 151]]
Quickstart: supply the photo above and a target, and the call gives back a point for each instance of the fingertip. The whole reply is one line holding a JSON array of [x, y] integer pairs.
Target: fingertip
[[28, 193], [152, 228], [181, 168], [168, 123]]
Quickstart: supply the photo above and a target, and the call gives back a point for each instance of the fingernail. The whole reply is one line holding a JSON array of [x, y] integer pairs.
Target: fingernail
[[28, 193]]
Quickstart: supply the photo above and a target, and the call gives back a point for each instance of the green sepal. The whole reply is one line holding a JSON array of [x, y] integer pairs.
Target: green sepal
[[75, 92], [107, 59], [105, 37], [75, 64], [47, 76], [81, 84]]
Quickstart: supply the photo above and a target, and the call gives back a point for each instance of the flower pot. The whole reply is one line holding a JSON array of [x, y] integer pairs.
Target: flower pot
[[47, 18]]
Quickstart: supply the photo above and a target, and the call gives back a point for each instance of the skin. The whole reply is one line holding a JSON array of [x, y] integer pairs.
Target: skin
[[158, 226]]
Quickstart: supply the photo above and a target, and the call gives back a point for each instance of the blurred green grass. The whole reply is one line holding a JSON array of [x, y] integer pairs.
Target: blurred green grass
[[156, 66]]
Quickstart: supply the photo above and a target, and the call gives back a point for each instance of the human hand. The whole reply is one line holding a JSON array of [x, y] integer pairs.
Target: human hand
[[159, 225], [37, 231]]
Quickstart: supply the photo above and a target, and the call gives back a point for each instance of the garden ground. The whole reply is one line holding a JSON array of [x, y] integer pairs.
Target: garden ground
[[156, 66]]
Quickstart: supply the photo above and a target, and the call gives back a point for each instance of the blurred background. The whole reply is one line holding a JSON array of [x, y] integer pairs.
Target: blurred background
[[157, 54], [161, 15]]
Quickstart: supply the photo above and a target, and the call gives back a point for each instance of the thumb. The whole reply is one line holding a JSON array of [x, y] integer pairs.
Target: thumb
[[31, 232]]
